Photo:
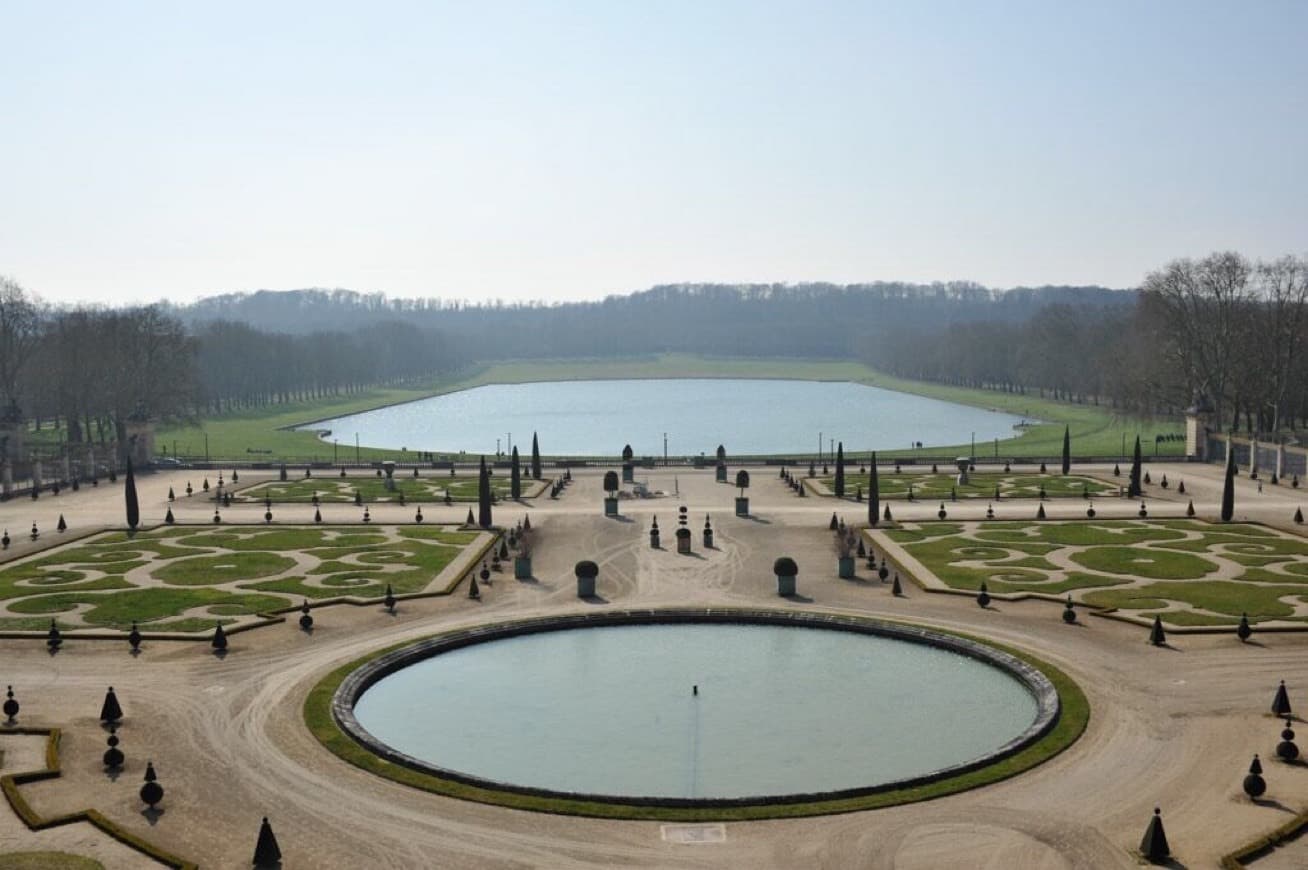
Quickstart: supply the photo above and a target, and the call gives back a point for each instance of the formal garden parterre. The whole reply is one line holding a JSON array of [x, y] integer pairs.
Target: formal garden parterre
[[370, 489], [939, 486], [1188, 572], [190, 578]]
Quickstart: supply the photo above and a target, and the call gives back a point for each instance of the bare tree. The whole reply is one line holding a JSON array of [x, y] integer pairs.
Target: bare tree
[[1282, 317], [20, 330]]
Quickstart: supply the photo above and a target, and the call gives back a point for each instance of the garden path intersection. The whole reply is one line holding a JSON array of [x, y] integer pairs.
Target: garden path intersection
[[1170, 726]]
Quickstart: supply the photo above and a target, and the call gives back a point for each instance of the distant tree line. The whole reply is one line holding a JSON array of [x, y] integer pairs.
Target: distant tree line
[[1221, 330], [88, 369]]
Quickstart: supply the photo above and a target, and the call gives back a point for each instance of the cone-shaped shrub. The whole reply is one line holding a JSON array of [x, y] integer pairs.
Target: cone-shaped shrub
[[1067, 449], [219, 642], [110, 711], [1298, 515], [1040, 512], [62, 526], [1069, 612], [169, 518], [1153, 846], [896, 589], [873, 493], [1133, 486], [1157, 636], [389, 601], [266, 851], [1281, 703], [1189, 509], [11, 706], [471, 520], [840, 470], [983, 596]]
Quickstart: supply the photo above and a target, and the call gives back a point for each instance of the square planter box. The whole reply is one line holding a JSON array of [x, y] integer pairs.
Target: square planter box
[[722, 474], [610, 507], [521, 568], [742, 507], [785, 585], [585, 587], [845, 566], [628, 473]]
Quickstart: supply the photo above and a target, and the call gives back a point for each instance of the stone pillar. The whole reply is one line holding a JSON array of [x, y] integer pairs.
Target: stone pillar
[[37, 475], [1253, 457], [140, 440], [68, 468], [1280, 460]]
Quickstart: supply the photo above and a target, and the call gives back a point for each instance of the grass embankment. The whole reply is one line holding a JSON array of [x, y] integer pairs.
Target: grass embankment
[[1074, 715], [263, 435]]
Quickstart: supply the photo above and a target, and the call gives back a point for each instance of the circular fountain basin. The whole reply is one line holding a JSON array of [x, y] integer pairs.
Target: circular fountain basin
[[684, 708]]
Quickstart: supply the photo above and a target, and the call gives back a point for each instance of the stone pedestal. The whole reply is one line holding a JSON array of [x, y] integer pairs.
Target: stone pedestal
[[38, 473], [140, 440], [722, 473], [628, 473]]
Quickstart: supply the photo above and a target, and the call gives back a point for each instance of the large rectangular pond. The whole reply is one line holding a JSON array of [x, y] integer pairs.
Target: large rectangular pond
[[748, 417]]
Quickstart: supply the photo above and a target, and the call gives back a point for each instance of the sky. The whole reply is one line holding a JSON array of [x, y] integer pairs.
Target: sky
[[572, 150]]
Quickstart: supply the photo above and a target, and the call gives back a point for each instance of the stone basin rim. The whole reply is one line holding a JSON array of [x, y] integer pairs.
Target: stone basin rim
[[360, 680]]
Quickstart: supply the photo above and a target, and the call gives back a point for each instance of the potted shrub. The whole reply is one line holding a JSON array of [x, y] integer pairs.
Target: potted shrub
[[786, 571], [611, 493], [845, 541], [522, 558], [628, 468], [742, 501], [683, 540], [586, 572]]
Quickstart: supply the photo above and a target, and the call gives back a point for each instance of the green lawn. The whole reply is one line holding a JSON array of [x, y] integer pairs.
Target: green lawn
[[1150, 566], [264, 435], [210, 575], [992, 485], [47, 861]]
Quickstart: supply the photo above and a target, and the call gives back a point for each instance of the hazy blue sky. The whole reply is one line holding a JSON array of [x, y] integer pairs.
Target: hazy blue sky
[[568, 150]]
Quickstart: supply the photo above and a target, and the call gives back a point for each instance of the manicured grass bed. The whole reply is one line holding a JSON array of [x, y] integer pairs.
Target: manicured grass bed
[[981, 485], [1188, 571], [431, 487], [47, 861], [190, 578]]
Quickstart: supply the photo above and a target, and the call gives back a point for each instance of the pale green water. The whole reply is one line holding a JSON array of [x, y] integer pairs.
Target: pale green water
[[780, 710], [596, 418]]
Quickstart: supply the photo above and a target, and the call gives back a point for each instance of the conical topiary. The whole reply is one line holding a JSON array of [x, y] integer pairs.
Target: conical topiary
[[266, 851], [886, 514], [1244, 630], [1157, 636], [834, 524], [471, 520], [53, 639], [169, 518], [134, 638], [896, 588], [113, 756], [219, 642], [389, 601], [317, 515], [110, 711], [883, 572], [1069, 612], [152, 792], [474, 591], [1254, 785], [990, 512], [62, 526], [1154, 844], [1189, 509], [1298, 516], [1180, 487], [1281, 703], [306, 618], [983, 596], [1040, 512]]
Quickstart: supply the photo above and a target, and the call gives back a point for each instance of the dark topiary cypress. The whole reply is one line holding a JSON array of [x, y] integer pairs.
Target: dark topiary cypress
[[1133, 487], [896, 589], [1281, 703], [389, 601], [358, 498], [133, 506], [1154, 844], [873, 493], [152, 792], [1189, 509], [417, 517], [1298, 515], [1069, 612], [1244, 630], [983, 596], [62, 526], [483, 497], [470, 521], [474, 591], [515, 477], [535, 457], [306, 618], [317, 515], [53, 639], [219, 642], [834, 524], [1157, 636], [266, 851], [1040, 512], [110, 711], [1228, 488], [840, 470], [1067, 449], [169, 518]]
